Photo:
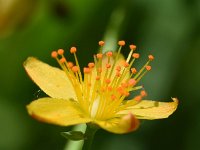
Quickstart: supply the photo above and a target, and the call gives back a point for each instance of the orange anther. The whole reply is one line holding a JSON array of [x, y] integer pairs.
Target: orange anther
[[109, 88], [109, 54], [118, 68], [151, 57], [63, 60], [131, 82], [86, 70], [108, 65], [91, 65], [138, 98], [148, 68], [97, 77], [75, 68], [107, 81], [132, 47], [126, 93], [99, 56], [126, 64], [54, 54], [121, 43], [99, 70], [143, 93], [120, 90], [70, 64], [73, 50], [133, 70], [60, 51], [113, 97], [124, 85], [89, 84], [136, 55], [118, 74], [101, 43]]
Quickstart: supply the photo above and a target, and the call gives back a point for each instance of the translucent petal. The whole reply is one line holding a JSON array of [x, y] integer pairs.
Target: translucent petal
[[53, 81], [56, 111], [120, 125], [148, 109]]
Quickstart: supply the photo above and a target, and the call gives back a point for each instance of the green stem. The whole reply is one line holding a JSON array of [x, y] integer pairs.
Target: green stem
[[89, 136], [76, 145]]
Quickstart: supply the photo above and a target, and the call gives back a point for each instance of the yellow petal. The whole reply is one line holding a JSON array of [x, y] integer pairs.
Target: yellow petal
[[125, 124], [56, 111], [53, 81], [148, 109]]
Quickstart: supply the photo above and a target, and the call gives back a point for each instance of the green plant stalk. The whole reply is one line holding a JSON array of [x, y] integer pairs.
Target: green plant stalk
[[89, 136], [76, 145]]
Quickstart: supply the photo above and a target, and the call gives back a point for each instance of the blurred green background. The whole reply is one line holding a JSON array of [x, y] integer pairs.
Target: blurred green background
[[169, 29]]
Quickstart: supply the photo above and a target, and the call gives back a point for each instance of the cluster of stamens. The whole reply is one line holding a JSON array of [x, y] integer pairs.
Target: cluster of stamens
[[104, 83]]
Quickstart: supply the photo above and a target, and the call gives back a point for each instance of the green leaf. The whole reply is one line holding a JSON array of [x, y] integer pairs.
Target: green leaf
[[73, 135]]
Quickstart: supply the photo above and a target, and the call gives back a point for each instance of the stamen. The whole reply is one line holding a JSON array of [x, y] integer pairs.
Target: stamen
[[125, 64], [70, 64], [118, 74], [113, 97], [75, 69], [91, 65], [104, 97], [124, 85], [142, 69], [136, 55], [73, 50], [131, 82], [101, 43], [99, 70], [118, 68], [109, 54], [99, 56], [148, 68], [143, 93], [121, 43], [97, 77], [132, 47], [86, 70], [138, 98], [108, 66], [54, 54], [63, 60], [151, 57], [107, 81], [126, 93], [120, 90], [133, 70], [60, 51]]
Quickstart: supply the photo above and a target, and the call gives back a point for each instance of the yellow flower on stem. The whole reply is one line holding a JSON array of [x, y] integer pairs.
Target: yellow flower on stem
[[98, 95]]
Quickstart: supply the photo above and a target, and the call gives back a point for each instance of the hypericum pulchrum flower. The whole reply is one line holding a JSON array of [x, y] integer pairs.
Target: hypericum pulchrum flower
[[98, 93]]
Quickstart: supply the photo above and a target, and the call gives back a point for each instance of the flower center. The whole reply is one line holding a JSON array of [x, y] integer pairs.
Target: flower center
[[106, 82]]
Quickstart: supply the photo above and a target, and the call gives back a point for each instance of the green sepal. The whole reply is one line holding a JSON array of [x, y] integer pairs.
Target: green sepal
[[73, 135]]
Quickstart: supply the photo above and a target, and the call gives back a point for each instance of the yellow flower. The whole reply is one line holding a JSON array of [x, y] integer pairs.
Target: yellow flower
[[98, 95]]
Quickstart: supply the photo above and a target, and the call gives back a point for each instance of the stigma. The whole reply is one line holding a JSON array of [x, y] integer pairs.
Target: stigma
[[102, 86]]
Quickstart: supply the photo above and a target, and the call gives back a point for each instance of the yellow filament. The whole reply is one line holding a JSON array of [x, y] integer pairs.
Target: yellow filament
[[141, 70], [79, 72], [115, 60]]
